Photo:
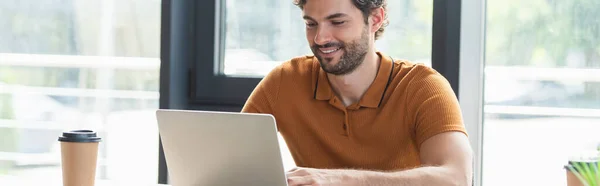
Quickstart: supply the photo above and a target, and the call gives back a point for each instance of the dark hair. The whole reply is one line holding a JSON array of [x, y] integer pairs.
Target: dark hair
[[366, 7]]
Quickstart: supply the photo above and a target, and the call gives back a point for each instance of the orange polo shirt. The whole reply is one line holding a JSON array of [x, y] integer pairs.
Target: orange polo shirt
[[405, 105]]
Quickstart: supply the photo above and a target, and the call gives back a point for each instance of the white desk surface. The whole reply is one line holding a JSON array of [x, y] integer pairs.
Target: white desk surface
[[11, 180]]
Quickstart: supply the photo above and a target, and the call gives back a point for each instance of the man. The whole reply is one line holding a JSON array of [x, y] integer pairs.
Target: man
[[354, 116]]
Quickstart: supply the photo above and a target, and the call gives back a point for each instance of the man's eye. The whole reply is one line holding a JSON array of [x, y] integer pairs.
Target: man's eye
[[338, 22], [310, 25]]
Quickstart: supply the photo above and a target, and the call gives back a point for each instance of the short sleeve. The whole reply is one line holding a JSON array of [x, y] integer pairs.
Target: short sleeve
[[436, 108], [263, 98]]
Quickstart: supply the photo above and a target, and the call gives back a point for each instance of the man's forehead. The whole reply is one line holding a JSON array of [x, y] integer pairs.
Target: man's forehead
[[322, 9]]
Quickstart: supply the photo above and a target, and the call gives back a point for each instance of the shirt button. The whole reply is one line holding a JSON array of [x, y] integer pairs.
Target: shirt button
[[345, 126]]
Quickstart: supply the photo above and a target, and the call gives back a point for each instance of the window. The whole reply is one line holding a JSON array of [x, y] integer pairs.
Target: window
[[262, 34], [72, 64], [542, 89]]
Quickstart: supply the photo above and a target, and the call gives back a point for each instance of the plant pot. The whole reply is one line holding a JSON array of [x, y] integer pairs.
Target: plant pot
[[579, 172], [572, 180]]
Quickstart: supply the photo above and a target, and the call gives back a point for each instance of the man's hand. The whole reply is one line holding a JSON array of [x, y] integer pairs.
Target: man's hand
[[321, 177], [447, 160]]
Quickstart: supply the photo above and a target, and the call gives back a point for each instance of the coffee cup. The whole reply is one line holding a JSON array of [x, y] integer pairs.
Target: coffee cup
[[79, 155]]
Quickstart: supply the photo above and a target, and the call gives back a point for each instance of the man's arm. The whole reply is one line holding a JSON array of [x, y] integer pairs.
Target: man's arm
[[447, 160]]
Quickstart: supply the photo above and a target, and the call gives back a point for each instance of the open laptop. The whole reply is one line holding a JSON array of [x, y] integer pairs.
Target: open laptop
[[220, 148]]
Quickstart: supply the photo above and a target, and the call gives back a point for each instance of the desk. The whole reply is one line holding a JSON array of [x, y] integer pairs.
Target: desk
[[11, 180]]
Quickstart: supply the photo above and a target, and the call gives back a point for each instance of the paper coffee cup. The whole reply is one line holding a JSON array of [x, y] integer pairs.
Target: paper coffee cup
[[79, 154]]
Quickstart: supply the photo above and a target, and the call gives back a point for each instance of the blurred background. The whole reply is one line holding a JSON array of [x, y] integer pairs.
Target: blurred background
[[67, 64], [71, 64]]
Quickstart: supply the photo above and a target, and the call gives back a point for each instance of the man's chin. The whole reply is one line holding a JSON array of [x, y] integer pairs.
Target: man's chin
[[329, 65], [333, 70], [327, 62]]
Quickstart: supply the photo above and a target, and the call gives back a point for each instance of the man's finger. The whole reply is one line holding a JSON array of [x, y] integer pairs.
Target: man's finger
[[298, 172], [300, 180]]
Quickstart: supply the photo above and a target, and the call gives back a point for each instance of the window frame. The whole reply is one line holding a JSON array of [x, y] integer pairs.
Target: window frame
[[471, 77], [209, 86]]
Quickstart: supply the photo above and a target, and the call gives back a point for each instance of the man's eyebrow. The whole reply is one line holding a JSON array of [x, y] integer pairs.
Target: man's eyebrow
[[332, 16], [308, 18], [336, 15]]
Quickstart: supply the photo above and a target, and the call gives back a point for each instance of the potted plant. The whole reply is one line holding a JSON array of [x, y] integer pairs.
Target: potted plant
[[584, 171]]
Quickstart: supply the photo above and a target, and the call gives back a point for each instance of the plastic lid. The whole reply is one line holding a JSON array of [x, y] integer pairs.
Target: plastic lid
[[86, 136]]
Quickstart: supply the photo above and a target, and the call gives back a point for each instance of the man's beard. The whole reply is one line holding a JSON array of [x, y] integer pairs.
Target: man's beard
[[354, 55]]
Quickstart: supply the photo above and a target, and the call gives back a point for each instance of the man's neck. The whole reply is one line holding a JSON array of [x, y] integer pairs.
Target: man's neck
[[351, 87]]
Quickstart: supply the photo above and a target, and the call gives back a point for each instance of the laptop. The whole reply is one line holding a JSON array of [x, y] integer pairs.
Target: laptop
[[208, 148]]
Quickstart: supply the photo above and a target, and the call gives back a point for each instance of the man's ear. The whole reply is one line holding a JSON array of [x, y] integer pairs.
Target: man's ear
[[376, 19]]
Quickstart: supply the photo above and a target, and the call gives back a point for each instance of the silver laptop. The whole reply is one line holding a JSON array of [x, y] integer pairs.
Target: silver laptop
[[208, 148]]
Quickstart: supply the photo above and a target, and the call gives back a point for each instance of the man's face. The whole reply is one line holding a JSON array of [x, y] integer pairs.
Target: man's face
[[337, 34]]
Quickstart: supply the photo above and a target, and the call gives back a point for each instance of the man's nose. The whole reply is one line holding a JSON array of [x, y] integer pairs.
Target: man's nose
[[323, 36]]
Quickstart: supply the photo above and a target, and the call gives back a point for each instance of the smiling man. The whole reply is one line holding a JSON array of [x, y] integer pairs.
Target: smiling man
[[354, 116]]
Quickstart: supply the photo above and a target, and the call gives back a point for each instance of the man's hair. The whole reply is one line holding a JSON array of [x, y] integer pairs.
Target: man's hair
[[366, 7]]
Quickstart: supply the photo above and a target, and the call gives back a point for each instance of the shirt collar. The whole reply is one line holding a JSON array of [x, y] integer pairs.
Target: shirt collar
[[375, 93]]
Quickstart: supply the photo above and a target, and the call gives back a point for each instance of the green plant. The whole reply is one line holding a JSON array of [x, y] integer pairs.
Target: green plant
[[587, 171]]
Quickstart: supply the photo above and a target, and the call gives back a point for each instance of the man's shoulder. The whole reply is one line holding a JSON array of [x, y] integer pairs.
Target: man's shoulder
[[413, 70], [297, 69], [301, 65], [415, 77]]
